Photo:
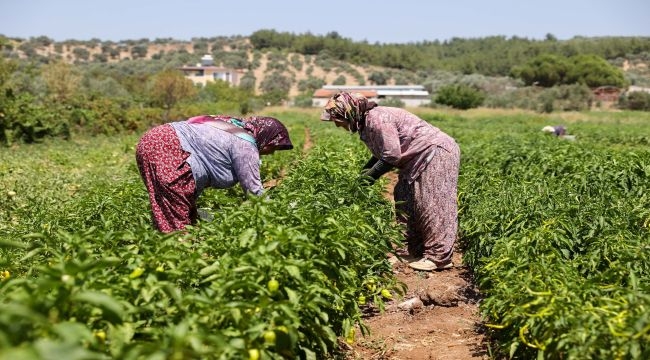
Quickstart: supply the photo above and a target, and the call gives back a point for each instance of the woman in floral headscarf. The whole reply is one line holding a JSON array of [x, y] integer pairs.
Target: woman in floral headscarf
[[428, 160], [178, 160]]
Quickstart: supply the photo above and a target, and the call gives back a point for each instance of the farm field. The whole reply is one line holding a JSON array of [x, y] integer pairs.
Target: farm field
[[555, 234]]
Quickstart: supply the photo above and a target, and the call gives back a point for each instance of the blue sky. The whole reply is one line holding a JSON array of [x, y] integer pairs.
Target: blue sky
[[400, 21]]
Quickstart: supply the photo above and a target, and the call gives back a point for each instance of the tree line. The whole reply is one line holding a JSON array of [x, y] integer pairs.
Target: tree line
[[490, 56]]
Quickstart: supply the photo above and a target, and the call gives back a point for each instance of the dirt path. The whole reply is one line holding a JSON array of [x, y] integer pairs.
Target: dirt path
[[443, 324]]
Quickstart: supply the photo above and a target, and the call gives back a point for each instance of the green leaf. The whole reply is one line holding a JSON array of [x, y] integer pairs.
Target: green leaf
[[72, 332], [9, 244], [210, 269], [120, 335], [294, 271], [247, 237], [52, 350], [112, 310], [293, 296], [31, 254]]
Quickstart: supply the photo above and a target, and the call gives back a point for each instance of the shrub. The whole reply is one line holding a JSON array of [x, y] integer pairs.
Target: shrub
[[460, 96], [339, 80], [303, 101], [636, 100], [569, 97]]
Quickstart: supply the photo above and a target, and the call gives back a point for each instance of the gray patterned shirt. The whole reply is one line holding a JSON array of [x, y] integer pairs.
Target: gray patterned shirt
[[219, 159]]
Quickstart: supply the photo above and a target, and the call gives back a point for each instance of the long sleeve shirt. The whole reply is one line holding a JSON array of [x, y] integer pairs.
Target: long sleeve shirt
[[403, 140], [219, 159]]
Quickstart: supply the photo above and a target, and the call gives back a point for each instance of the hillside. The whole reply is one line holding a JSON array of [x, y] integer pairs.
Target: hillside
[[295, 67], [283, 68]]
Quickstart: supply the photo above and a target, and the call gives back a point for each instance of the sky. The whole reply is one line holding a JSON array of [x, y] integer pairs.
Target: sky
[[378, 21]]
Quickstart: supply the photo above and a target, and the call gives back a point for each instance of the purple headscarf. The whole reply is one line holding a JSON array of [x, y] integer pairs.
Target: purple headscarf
[[351, 107], [268, 131]]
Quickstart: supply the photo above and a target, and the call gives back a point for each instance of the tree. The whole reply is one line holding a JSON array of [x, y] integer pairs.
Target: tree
[[247, 82], [169, 87], [81, 53], [7, 98], [377, 78], [636, 100], [219, 90], [275, 88], [545, 70], [62, 81], [139, 51], [595, 71], [339, 80], [310, 84], [460, 96]]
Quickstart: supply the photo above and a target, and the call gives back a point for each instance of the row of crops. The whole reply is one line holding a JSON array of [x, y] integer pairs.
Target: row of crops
[[284, 276], [557, 233]]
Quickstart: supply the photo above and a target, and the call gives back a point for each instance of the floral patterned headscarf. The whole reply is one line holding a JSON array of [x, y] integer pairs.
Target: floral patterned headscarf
[[351, 107], [265, 130], [268, 131]]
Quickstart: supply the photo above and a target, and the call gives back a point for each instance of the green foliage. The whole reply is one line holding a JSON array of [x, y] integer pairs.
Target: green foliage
[[81, 53], [220, 90], [296, 62], [247, 82], [23, 116], [340, 80], [549, 70], [89, 276], [26, 120], [635, 100], [169, 87], [546, 70], [377, 78], [494, 55], [49, 82], [304, 101], [594, 71], [557, 231], [275, 87], [566, 98], [62, 81], [107, 87], [558, 98], [236, 60], [310, 84], [459, 96]]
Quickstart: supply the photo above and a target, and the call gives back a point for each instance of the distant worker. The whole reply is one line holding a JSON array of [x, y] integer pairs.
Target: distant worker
[[559, 131], [428, 160], [179, 159]]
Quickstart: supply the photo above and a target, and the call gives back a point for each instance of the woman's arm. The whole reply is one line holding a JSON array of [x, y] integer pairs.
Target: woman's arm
[[246, 166]]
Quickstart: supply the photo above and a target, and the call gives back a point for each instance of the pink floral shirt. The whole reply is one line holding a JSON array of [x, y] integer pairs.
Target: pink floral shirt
[[403, 140]]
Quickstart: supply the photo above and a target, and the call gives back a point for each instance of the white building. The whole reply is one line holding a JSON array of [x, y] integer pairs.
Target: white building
[[410, 95], [206, 71]]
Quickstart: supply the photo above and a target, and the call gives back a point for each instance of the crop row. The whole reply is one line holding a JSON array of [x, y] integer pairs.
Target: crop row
[[558, 234], [283, 276]]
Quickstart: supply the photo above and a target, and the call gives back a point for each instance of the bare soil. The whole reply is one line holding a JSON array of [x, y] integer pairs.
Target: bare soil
[[443, 321]]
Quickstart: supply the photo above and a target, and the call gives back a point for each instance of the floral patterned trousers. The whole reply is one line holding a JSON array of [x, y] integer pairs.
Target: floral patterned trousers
[[168, 178], [429, 209]]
